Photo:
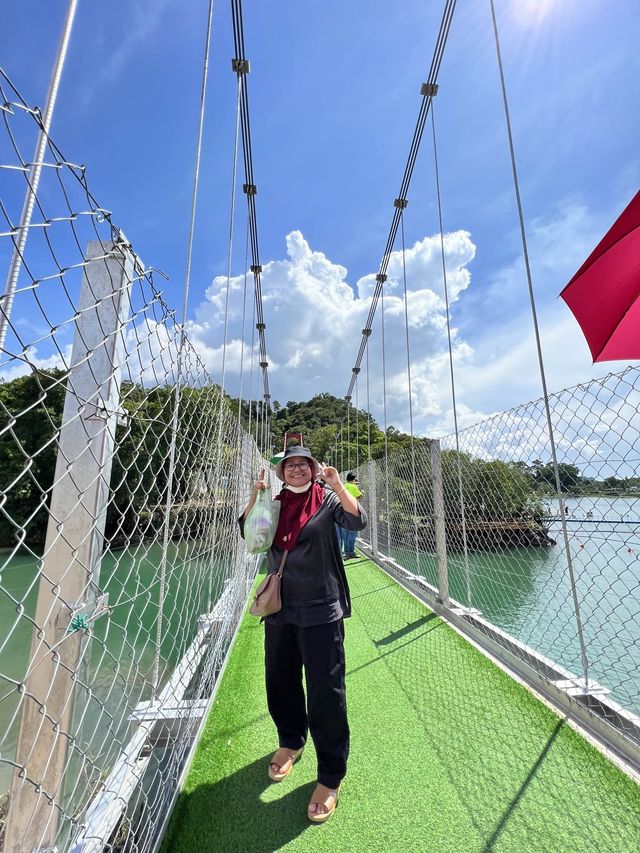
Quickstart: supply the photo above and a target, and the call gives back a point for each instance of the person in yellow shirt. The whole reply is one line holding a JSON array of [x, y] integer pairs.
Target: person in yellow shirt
[[349, 536]]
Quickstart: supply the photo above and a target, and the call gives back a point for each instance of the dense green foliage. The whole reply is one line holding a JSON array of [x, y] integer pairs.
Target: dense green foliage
[[541, 477], [28, 453], [30, 417], [325, 424], [31, 413]]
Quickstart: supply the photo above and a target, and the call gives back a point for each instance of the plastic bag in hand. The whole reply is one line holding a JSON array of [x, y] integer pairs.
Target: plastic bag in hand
[[261, 524]]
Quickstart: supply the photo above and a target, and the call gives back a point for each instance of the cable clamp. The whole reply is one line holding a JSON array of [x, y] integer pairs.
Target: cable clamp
[[366, 332], [256, 268], [250, 189], [401, 203], [356, 370], [429, 89], [264, 364], [381, 277], [261, 326], [241, 66], [102, 411]]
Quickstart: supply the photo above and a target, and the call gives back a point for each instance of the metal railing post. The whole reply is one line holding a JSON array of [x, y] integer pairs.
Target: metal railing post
[[70, 565], [438, 519]]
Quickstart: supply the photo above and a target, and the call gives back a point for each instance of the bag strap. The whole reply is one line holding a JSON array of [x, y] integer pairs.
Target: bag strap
[[282, 562]]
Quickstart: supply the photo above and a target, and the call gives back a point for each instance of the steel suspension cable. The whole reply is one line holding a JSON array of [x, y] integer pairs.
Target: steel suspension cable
[[368, 412], [357, 430], [234, 171], [234, 174], [259, 405], [349, 434], [239, 470], [386, 434], [241, 66], [525, 252], [244, 314], [252, 359], [408, 350], [427, 91], [463, 520], [181, 346], [33, 181]]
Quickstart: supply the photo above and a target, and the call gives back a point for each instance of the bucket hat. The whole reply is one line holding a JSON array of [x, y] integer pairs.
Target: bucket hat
[[296, 450]]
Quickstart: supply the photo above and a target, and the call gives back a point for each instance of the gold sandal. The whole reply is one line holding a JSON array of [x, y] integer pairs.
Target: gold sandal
[[292, 757], [323, 816]]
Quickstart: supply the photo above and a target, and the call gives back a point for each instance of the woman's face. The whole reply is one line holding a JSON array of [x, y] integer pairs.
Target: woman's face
[[297, 471]]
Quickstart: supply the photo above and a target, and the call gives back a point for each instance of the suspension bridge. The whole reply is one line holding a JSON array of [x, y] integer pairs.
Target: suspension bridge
[[494, 650]]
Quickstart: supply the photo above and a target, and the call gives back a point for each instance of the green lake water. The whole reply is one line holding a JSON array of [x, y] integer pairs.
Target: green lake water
[[123, 644], [527, 591]]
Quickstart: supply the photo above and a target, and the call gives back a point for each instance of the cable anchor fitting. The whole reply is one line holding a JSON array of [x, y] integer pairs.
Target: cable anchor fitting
[[430, 90], [241, 66]]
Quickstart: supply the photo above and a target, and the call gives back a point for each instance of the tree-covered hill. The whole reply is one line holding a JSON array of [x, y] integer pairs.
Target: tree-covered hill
[[319, 420], [31, 413]]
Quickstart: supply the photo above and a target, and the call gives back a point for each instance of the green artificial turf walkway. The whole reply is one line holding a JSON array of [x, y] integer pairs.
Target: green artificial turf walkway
[[447, 754]]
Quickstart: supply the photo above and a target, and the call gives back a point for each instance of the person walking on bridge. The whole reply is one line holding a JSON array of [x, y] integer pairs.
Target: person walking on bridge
[[347, 536], [308, 632]]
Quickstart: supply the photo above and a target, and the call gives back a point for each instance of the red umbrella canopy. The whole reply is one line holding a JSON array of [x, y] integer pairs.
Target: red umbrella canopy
[[604, 295]]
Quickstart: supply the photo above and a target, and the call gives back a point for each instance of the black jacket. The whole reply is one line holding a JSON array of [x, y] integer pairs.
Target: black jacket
[[314, 572]]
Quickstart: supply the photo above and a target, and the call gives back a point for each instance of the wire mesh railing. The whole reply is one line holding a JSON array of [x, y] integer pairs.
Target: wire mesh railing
[[122, 471], [506, 558]]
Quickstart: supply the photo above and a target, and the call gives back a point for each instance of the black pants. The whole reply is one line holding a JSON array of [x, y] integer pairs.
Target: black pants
[[320, 650]]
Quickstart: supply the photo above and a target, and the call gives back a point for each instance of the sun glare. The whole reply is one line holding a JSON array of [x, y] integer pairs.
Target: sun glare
[[532, 12]]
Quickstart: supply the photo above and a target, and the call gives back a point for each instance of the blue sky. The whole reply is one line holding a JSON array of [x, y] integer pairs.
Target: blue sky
[[334, 95]]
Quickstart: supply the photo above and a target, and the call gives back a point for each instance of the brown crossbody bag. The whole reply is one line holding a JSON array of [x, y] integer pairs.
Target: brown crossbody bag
[[267, 597]]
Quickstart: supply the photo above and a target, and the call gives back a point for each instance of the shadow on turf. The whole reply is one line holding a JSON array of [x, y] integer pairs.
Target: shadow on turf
[[371, 591], [230, 815], [393, 651], [490, 845], [412, 626]]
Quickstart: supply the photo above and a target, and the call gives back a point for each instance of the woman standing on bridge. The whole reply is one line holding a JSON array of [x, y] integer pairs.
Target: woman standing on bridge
[[309, 632]]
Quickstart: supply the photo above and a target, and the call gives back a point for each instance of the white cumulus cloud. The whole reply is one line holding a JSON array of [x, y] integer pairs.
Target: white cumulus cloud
[[315, 316]]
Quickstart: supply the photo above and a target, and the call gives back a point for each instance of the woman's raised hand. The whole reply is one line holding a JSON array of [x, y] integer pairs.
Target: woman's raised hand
[[331, 477], [259, 485]]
